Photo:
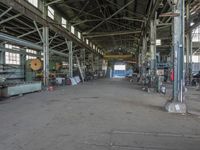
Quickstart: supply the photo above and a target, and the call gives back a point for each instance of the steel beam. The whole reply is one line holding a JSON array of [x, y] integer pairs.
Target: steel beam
[[28, 33], [51, 40], [58, 53], [36, 26], [58, 45], [53, 2], [10, 18], [111, 16], [86, 13], [34, 14], [111, 34], [63, 50], [5, 12], [133, 19]]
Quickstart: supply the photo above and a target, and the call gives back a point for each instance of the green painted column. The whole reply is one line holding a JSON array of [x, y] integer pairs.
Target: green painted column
[[71, 64], [153, 47], [45, 40]]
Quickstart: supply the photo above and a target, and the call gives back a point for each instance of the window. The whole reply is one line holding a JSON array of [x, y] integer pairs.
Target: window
[[119, 67], [32, 52], [72, 29], [196, 34], [195, 58], [64, 22], [33, 2], [42, 54], [14, 47], [87, 41], [50, 12], [158, 42], [12, 58], [79, 35]]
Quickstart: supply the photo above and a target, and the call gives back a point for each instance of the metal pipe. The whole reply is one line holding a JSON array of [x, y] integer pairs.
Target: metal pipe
[[14, 40], [20, 42]]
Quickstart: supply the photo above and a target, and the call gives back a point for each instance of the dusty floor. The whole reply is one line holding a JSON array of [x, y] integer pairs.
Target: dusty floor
[[99, 115]]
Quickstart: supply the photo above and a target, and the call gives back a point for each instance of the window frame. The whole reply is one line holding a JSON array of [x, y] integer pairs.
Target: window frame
[[63, 24], [72, 29], [28, 57], [51, 12], [35, 3]]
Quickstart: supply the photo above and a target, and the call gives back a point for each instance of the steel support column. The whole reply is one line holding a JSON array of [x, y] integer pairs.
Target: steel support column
[[178, 42], [153, 47], [23, 62], [96, 63], [83, 61], [2, 56], [188, 46], [177, 104], [46, 56], [143, 54], [69, 44]]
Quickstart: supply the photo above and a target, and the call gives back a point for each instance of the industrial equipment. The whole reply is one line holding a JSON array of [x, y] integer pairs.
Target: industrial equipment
[[33, 68], [8, 90]]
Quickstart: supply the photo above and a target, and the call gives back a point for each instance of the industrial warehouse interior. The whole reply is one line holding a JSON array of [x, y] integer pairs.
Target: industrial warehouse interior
[[99, 74]]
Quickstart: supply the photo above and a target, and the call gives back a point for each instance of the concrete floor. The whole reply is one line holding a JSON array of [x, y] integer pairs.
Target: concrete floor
[[192, 98], [99, 115]]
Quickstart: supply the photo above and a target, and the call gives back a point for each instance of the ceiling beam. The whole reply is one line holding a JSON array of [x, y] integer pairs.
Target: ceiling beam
[[110, 16], [5, 12], [58, 45], [102, 34], [10, 18], [133, 19], [101, 19], [53, 2], [25, 34]]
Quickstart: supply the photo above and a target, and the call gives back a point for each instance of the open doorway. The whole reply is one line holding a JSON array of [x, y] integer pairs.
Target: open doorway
[[119, 70]]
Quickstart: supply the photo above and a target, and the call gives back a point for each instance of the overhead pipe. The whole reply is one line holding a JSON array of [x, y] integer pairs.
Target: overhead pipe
[[14, 40]]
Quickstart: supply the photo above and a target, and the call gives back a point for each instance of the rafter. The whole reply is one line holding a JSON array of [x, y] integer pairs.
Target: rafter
[[111, 16], [102, 34]]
